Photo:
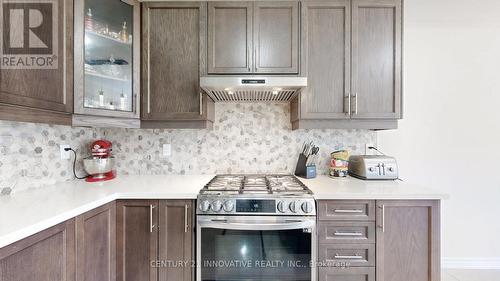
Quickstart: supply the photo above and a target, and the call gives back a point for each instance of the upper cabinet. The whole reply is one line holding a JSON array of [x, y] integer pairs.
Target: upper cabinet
[[253, 37], [36, 77], [326, 47], [107, 62], [174, 57], [376, 59], [230, 47], [276, 33], [351, 55]]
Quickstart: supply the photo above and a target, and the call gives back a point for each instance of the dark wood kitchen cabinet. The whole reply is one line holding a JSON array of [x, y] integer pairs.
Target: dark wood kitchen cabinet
[[150, 232], [176, 239], [408, 240], [107, 63], [253, 37], [276, 36], [46, 256], [388, 240], [230, 47], [136, 240], [351, 55], [40, 94], [174, 57], [95, 244], [326, 44], [376, 59]]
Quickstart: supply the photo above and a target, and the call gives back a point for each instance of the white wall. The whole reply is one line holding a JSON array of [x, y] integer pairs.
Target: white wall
[[450, 136]]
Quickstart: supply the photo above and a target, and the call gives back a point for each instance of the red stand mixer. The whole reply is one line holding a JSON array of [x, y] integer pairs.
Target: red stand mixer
[[101, 165]]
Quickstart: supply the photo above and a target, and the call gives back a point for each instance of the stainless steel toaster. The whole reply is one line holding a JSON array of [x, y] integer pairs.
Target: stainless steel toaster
[[373, 167]]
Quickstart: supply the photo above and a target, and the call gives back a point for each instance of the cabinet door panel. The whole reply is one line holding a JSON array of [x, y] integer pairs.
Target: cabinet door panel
[[96, 248], [46, 256], [276, 37], [174, 47], [325, 55], [408, 241], [176, 239], [376, 59], [136, 239], [230, 37], [46, 89]]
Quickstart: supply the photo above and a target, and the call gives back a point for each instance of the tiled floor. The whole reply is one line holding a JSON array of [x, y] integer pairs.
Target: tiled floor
[[470, 275]]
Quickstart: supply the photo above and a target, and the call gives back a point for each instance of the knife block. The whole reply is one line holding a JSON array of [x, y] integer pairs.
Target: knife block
[[304, 171]]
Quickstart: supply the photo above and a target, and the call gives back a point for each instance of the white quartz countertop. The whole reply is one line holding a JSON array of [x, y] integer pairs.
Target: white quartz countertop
[[28, 212]]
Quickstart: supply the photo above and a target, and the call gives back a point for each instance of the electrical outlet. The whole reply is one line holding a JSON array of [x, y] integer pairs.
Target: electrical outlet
[[368, 151], [167, 150], [65, 154]]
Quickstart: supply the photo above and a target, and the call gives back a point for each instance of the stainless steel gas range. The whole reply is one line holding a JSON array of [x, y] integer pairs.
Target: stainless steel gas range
[[256, 228]]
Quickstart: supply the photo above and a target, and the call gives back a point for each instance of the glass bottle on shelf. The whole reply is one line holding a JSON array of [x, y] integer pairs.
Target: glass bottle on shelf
[[124, 33], [89, 21]]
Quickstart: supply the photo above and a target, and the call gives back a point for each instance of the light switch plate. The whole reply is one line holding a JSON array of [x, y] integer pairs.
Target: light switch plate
[[167, 150], [65, 154]]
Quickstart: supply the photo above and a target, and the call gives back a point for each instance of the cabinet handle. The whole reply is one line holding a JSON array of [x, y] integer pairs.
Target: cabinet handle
[[382, 223], [337, 233], [346, 211], [342, 257], [201, 103], [356, 103], [348, 97], [186, 225], [151, 225]]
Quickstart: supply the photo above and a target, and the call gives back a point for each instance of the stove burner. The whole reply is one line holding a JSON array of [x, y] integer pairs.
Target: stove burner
[[255, 184]]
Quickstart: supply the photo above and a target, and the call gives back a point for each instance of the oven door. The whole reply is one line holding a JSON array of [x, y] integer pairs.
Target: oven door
[[256, 248]]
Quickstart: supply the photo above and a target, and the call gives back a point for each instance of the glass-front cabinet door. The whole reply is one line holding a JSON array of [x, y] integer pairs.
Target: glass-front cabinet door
[[107, 58]]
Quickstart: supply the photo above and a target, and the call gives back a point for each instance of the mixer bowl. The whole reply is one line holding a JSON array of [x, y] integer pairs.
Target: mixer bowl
[[94, 165]]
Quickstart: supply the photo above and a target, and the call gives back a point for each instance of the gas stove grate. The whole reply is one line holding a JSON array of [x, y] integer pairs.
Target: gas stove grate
[[255, 184]]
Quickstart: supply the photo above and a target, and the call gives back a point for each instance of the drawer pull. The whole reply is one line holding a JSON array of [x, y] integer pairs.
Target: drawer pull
[[341, 257], [348, 211], [337, 233]]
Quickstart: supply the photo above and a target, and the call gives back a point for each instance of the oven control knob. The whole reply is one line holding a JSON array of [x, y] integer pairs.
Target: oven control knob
[[216, 206], [281, 207], [293, 207], [228, 206], [307, 207], [204, 206]]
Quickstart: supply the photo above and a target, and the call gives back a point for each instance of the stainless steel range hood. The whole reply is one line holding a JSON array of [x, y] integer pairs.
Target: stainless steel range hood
[[252, 88]]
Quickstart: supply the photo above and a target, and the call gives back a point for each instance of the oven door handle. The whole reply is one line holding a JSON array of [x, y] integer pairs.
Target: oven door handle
[[254, 225]]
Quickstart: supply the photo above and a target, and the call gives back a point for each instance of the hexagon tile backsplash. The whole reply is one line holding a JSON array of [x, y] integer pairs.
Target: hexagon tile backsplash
[[247, 138]]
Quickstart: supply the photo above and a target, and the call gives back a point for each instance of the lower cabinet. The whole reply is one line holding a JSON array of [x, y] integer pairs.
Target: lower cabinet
[[136, 239], [95, 244], [400, 242], [152, 237], [45, 256], [408, 240], [351, 274]]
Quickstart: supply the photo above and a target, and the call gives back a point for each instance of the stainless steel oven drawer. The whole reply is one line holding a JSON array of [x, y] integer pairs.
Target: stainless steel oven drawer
[[346, 232], [346, 210], [350, 255], [347, 274]]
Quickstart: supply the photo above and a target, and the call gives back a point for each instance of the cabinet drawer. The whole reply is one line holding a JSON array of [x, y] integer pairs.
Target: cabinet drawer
[[348, 254], [347, 210], [346, 232], [346, 274]]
